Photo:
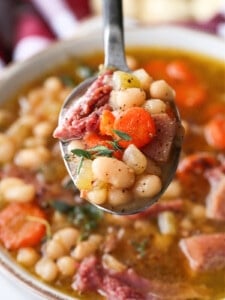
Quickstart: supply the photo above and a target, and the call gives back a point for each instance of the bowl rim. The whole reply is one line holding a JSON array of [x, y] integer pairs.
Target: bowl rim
[[8, 265]]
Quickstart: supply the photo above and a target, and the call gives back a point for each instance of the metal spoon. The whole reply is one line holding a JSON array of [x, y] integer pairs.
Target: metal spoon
[[115, 58]]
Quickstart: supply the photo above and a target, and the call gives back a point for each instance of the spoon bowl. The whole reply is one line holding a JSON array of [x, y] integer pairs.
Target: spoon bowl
[[115, 59]]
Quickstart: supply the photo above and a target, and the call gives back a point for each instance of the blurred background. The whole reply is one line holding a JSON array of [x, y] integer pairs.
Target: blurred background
[[28, 26]]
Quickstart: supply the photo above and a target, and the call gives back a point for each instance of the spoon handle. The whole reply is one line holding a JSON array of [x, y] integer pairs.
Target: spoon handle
[[113, 35]]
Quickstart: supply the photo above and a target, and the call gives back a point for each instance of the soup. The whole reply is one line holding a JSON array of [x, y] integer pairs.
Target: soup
[[173, 250]]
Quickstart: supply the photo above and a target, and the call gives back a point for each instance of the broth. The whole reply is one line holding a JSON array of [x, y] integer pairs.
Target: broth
[[142, 242]]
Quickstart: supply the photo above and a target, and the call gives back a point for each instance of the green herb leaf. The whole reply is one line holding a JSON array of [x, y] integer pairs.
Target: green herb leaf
[[80, 165], [61, 206], [81, 153], [87, 217], [124, 136], [116, 145], [101, 151], [67, 80], [84, 71], [140, 247]]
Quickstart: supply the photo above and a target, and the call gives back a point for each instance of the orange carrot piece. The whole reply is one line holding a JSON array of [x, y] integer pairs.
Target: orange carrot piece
[[16, 230], [156, 68], [215, 132], [190, 94], [106, 123], [92, 139], [180, 70], [138, 124]]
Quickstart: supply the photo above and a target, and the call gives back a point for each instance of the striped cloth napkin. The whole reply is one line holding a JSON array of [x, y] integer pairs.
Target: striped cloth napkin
[[28, 26]]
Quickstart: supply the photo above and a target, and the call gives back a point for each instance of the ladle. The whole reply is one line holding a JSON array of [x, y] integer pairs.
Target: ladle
[[115, 58]]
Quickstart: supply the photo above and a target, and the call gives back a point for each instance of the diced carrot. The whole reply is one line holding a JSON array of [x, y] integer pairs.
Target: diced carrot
[[213, 109], [215, 132], [138, 124], [190, 94], [92, 139], [180, 70], [106, 123], [156, 68], [16, 230]]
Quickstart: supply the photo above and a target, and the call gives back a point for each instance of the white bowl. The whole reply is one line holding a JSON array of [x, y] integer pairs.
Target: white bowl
[[89, 39]]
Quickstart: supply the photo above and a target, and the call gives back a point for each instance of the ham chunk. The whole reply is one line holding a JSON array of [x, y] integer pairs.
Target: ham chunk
[[128, 285], [215, 202], [205, 252], [175, 205], [91, 276], [160, 146], [83, 115]]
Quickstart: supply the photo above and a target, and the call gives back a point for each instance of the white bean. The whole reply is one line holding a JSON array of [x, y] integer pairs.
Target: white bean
[[8, 182], [112, 263], [75, 144], [67, 236], [119, 196], [144, 78], [85, 248], [147, 186], [135, 159], [113, 171], [27, 256], [160, 89], [66, 265], [14, 189], [32, 158], [7, 148], [47, 269], [130, 97], [155, 106], [20, 193], [97, 196], [53, 84], [43, 129], [33, 142], [55, 249]]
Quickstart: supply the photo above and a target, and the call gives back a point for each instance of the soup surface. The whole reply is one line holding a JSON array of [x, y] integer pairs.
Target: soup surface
[[173, 250]]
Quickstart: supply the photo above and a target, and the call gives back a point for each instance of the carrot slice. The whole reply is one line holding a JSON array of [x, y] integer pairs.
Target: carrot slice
[[138, 124], [180, 70], [92, 139], [156, 68], [106, 123], [16, 230], [215, 132], [190, 94]]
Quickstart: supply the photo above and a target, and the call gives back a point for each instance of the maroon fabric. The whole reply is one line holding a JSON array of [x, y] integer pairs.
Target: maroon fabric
[[29, 23], [80, 8]]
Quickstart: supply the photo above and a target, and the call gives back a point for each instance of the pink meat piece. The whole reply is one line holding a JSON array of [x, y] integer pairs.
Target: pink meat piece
[[215, 202], [83, 115], [91, 276], [160, 146], [175, 205], [205, 252]]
